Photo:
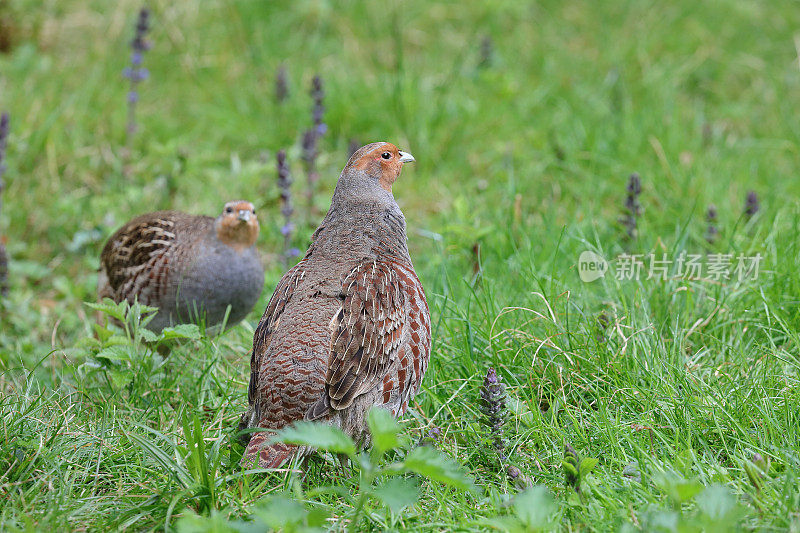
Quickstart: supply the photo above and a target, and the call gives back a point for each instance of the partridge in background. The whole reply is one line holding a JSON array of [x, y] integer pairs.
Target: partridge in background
[[348, 327], [191, 267]]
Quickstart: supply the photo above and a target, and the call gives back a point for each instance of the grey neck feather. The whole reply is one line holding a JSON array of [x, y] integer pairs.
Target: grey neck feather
[[364, 218]]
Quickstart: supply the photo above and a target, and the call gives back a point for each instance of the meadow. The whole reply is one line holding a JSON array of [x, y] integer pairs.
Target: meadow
[[678, 392]]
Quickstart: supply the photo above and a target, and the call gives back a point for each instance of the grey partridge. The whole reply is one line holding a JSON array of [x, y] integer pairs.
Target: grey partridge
[[348, 327], [192, 268]]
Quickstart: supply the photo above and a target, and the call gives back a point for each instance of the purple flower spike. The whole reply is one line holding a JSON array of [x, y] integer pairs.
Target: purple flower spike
[[431, 438], [285, 184], [493, 409], [711, 218], [311, 138], [751, 204], [135, 72], [4, 126], [633, 209], [287, 229]]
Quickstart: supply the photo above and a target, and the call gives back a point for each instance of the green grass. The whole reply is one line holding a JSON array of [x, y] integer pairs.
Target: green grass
[[526, 156]]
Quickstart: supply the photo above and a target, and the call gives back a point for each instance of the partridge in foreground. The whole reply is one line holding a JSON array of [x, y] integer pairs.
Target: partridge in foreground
[[190, 267], [348, 327]]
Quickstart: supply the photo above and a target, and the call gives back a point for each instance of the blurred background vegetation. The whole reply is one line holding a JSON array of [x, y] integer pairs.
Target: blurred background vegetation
[[526, 119]]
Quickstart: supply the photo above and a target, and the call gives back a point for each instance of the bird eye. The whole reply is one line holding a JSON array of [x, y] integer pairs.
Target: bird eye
[[229, 210], [386, 155]]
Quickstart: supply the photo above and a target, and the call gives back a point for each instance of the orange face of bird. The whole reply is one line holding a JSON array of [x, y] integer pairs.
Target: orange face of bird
[[237, 226], [382, 160]]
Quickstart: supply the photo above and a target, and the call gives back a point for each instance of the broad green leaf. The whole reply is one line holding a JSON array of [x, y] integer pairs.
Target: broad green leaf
[[317, 517], [140, 315], [315, 435], [688, 490], [587, 465], [534, 507], [663, 521], [384, 430], [118, 340], [397, 493], [190, 522], [87, 343], [120, 377], [430, 462], [284, 513], [115, 353], [181, 331], [110, 308], [719, 508], [147, 335], [677, 488], [102, 333], [507, 524]]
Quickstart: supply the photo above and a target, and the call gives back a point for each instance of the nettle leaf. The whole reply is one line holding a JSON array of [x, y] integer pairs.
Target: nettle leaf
[[431, 463], [384, 430], [181, 331], [110, 308], [115, 353], [397, 493], [120, 377], [140, 315], [118, 340], [101, 332], [534, 507], [147, 335], [315, 435], [88, 343]]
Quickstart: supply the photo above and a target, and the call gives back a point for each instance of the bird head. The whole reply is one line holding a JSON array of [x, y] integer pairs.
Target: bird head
[[237, 226], [379, 161]]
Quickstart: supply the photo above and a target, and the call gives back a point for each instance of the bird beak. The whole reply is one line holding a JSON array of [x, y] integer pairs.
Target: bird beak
[[244, 215], [405, 157]]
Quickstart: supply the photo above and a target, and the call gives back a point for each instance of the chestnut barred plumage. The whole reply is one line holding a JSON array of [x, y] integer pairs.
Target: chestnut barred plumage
[[347, 328]]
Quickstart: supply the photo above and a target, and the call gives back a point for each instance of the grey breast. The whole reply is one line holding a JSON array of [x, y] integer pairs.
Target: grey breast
[[217, 278]]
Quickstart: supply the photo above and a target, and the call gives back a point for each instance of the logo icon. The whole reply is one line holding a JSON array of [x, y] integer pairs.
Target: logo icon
[[591, 266]]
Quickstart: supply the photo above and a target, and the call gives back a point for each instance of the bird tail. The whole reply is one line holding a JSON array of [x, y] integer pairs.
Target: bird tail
[[263, 454]]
